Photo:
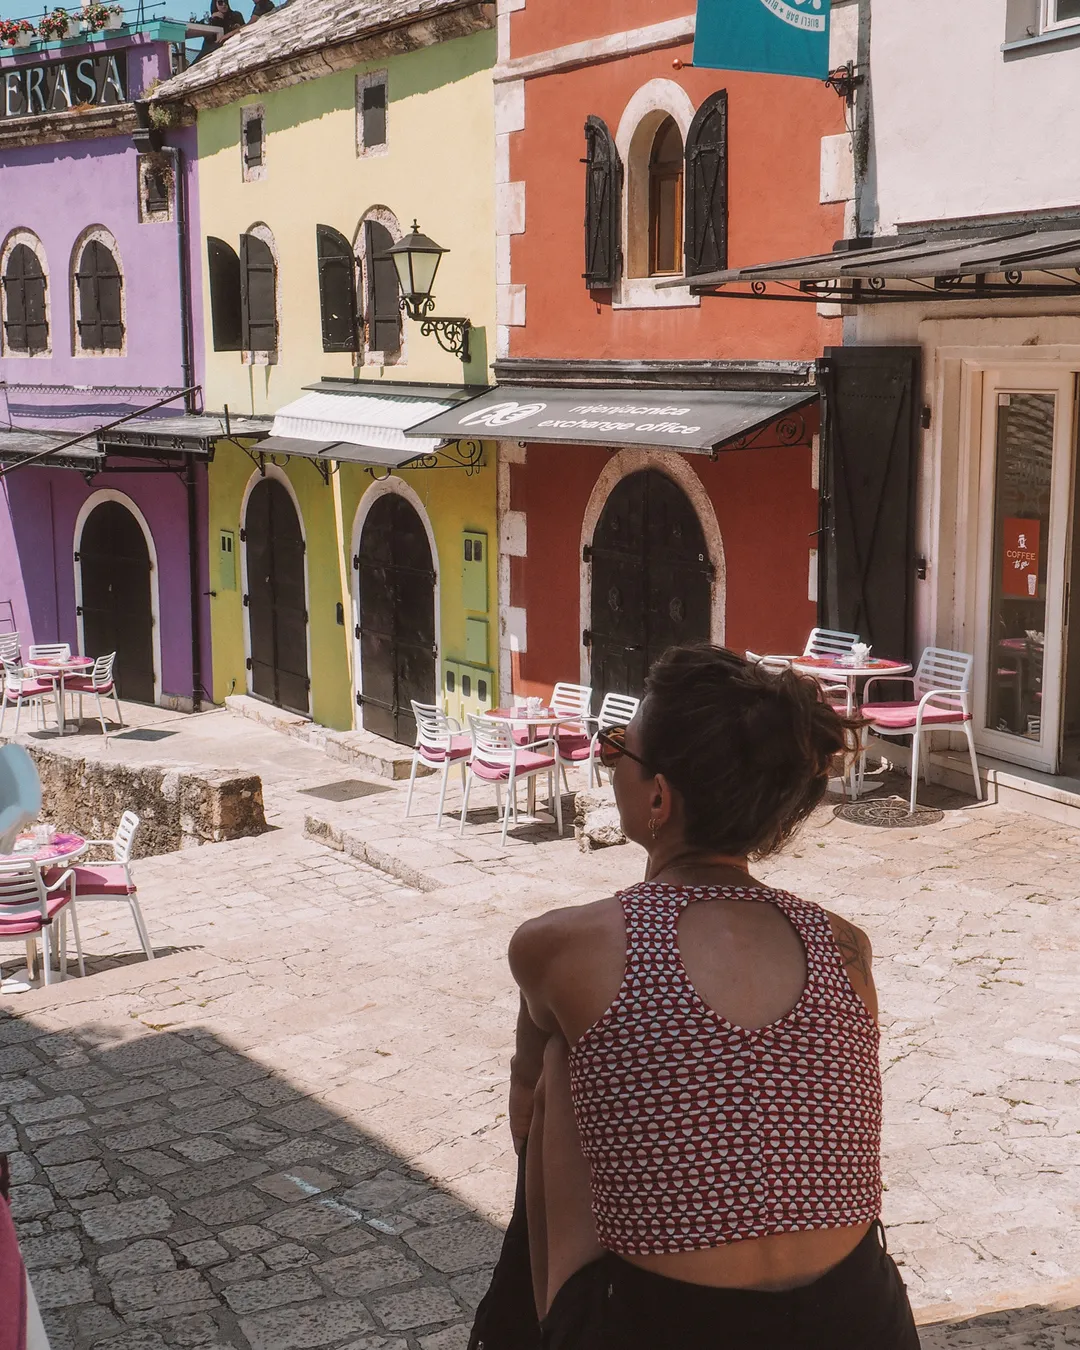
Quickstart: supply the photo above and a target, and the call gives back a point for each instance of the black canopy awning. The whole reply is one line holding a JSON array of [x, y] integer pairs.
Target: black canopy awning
[[17, 446], [701, 421], [1021, 262]]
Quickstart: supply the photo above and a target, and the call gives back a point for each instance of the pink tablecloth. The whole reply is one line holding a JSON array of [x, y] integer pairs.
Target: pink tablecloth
[[62, 846]]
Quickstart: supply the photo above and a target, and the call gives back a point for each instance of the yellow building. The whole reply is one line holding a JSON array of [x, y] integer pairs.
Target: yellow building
[[354, 567]]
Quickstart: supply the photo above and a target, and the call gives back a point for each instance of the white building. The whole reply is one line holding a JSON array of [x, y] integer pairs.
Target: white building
[[950, 469]]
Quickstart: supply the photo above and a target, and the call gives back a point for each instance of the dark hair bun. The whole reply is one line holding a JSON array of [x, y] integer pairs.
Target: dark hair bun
[[749, 748]]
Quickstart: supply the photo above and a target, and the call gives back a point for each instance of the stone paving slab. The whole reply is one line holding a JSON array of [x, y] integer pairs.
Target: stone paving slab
[[312, 1018]]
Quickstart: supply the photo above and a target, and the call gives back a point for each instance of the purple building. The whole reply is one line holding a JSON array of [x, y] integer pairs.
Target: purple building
[[103, 544]]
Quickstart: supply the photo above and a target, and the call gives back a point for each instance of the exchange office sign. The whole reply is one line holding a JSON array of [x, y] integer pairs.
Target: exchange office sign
[[699, 420], [56, 86]]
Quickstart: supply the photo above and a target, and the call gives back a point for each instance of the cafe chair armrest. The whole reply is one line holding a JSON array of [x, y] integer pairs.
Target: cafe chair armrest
[[892, 679], [61, 880]]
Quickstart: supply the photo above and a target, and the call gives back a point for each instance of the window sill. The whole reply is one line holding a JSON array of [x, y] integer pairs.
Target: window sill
[[1033, 46], [643, 293]]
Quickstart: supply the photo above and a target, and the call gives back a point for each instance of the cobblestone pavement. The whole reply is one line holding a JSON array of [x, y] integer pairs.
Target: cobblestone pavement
[[289, 1130]]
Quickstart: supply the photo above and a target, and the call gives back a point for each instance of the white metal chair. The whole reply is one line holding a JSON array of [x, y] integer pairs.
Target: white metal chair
[[617, 710], [439, 745], [942, 702], [20, 689], [9, 647], [571, 700], [30, 904], [100, 683], [111, 878], [49, 651], [822, 642], [498, 758]]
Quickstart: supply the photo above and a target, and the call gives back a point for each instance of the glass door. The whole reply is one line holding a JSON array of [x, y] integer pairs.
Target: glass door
[[1025, 514]]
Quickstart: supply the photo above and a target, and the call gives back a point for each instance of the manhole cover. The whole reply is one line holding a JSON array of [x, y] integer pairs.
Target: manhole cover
[[887, 813], [143, 734], [345, 791]]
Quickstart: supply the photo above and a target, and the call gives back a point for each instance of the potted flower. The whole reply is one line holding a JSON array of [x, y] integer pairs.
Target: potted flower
[[96, 17], [16, 33], [59, 24]]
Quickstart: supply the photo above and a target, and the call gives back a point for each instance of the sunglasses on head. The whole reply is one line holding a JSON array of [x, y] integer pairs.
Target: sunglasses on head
[[612, 742]]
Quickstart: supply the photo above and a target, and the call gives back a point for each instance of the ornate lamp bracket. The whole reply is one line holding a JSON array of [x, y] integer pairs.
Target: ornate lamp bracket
[[452, 335]]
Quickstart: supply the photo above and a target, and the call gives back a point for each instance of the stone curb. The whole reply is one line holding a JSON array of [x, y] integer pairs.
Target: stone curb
[[420, 864], [1058, 1297]]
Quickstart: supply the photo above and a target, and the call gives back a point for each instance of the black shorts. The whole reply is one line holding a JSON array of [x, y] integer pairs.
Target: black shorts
[[861, 1304]]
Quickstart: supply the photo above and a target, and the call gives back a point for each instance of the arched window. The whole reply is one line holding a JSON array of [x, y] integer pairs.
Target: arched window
[[666, 200], [26, 322], [98, 286]]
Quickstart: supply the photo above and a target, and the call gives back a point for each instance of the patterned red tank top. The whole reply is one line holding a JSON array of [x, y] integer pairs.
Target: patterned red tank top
[[699, 1133]]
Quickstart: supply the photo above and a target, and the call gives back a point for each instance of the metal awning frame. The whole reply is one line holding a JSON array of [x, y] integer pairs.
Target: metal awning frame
[[874, 291], [467, 455]]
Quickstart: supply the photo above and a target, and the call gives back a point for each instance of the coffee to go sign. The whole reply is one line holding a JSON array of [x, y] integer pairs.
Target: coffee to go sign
[[55, 86], [1020, 571]]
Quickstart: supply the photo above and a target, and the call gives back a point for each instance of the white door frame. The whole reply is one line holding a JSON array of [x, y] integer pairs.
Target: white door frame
[[1030, 378], [92, 502]]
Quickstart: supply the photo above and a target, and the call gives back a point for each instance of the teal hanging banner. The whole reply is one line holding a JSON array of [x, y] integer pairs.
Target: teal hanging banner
[[774, 37]]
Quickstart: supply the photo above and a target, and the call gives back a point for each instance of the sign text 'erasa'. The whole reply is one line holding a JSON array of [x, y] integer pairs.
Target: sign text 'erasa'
[[56, 86]]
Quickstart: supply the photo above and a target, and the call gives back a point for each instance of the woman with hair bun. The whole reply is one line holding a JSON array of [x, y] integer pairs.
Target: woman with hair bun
[[696, 1073]]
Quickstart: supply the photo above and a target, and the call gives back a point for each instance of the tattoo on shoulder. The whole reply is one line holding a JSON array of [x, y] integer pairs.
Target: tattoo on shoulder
[[854, 948]]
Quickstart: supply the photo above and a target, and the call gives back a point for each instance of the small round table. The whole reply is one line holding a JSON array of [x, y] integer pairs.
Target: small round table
[[519, 716], [55, 669], [831, 670], [62, 850]]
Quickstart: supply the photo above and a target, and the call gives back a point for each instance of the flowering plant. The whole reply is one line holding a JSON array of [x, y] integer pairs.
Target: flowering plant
[[96, 16], [10, 29], [55, 25]]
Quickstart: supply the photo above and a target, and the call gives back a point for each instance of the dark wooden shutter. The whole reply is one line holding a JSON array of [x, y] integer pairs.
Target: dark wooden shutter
[[258, 295], [337, 290], [603, 200], [26, 328], [100, 321], [870, 439], [225, 305], [383, 306], [707, 187]]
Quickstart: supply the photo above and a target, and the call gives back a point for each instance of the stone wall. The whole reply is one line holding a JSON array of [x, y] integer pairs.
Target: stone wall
[[179, 806]]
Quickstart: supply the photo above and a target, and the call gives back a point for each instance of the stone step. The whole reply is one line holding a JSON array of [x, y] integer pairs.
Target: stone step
[[369, 753]]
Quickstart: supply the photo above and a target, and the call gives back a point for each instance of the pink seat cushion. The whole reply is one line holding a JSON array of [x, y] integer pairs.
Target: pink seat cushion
[[82, 684], [528, 761], [574, 744], [101, 879], [30, 689], [18, 925], [460, 748], [901, 716]]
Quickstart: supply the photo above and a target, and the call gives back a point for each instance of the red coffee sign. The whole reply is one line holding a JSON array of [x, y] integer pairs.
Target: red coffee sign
[[1020, 565]]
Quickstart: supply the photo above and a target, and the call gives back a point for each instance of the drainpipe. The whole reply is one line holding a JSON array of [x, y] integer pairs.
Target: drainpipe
[[865, 169], [190, 472]]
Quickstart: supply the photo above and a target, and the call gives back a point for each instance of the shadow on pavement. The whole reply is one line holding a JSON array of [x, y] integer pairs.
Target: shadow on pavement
[[1040, 1327], [170, 1191]]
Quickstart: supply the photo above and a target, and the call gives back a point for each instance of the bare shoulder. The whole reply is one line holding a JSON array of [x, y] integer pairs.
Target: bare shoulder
[[858, 957], [542, 941]]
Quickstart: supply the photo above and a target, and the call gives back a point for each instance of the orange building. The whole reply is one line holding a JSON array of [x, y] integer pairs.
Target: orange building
[[657, 466]]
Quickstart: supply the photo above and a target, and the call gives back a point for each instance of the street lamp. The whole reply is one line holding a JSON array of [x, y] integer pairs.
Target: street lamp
[[416, 259]]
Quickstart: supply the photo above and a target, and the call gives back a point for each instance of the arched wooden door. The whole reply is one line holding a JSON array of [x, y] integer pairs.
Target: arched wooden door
[[651, 580], [117, 609], [398, 648], [275, 600]]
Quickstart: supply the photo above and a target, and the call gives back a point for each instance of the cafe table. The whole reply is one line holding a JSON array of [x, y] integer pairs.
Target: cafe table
[[60, 851], [836, 671], [520, 718], [57, 669]]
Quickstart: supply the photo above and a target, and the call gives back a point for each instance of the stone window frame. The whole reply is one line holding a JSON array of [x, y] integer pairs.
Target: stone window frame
[[368, 80], [649, 107], [385, 217], [106, 237], [144, 163], [252, 173], [23, 235]]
